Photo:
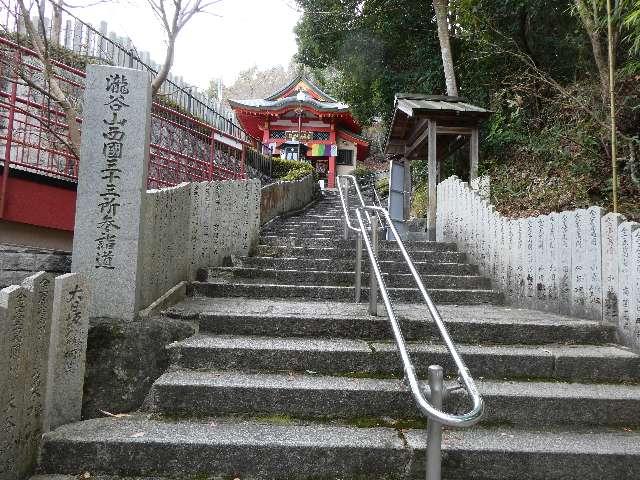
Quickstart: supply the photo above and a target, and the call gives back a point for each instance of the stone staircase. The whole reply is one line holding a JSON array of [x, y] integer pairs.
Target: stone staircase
[[287, 378]]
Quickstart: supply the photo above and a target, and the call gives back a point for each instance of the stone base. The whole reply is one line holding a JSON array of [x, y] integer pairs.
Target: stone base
[[124, 358]]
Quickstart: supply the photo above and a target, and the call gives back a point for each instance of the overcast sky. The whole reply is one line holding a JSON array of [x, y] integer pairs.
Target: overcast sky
[[246, 33]]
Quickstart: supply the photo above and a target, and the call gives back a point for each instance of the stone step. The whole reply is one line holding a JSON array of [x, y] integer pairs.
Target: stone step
[[306, 277], [261, 450], [343, 293], [387, 266], [349, 254], [537, 404], [484, 324], [270, 240], [336, 356]]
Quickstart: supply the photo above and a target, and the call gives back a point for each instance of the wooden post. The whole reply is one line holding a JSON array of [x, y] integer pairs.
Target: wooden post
[[433, 169], [473, 155]]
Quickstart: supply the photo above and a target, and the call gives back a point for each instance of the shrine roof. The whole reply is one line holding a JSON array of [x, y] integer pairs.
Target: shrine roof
[[298, 83], [292, 102]]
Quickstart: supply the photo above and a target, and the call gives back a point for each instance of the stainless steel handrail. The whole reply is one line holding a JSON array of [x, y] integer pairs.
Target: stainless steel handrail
[[463, 420], [344, 199]]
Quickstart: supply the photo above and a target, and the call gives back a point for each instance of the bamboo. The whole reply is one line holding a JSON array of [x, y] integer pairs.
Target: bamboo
[[614, 146]]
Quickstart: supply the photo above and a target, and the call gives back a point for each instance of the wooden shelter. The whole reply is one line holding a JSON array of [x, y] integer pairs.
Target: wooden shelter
[[434, 127]]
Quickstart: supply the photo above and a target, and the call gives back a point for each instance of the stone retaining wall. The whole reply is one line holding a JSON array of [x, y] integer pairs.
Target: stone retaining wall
[[581, 263], [18, 262], [283, 197]]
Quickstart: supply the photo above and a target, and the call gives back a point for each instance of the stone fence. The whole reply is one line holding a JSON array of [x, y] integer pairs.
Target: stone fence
[[194, 226], [283, 197], [581, 263], [43, 339]]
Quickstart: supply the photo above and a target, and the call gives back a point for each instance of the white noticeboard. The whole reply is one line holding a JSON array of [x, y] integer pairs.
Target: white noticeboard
[[397, 172]]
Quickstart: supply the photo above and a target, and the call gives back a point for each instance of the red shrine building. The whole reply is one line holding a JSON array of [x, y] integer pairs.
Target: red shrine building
[[300, 121]]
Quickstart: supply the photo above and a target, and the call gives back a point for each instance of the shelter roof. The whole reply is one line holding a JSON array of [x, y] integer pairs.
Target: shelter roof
[[454, 117]]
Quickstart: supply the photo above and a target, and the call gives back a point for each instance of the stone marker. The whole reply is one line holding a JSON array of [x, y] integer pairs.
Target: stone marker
[[111, 185], [15, 308], [593, 263], [37, 338], [626, 279], [551, 227], [577, 231], [609, 229], [541, 253], [530, 264], [635, 292], [70, 325], [566, 219]]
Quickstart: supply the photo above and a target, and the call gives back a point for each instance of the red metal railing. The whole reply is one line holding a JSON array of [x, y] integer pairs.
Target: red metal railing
[[34, 133]]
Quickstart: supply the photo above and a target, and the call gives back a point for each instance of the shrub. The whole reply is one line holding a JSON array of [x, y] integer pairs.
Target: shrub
[[364, 174], [382, 186], [289, 170]]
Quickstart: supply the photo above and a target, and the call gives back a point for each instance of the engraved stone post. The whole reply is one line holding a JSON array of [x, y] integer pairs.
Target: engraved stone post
[[577, 232], [564, 262], [37, 336], [111, 187], [541, 262], [635, 292], [530, 264], [609, 228], [626, 279], [593, 262], [15, 308], [551, 229], [67, 355]]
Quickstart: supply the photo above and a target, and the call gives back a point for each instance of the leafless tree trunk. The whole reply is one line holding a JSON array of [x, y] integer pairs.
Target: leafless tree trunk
[[56, 22], [173, 16], [51, 87], [441, 8]]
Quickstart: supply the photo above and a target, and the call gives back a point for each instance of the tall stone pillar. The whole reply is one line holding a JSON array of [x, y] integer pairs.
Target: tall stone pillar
[[111, 185]]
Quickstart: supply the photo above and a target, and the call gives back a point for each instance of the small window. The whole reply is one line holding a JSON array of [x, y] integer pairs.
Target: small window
[[345, 157]]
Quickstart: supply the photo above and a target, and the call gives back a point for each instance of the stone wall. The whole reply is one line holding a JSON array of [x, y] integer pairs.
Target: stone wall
[[283, 197], [43, 338], [18, 262], [193, 226], [581, 263]]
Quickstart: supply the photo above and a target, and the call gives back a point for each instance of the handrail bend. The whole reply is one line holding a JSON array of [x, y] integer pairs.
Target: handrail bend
[[424, 405], [343, 196]]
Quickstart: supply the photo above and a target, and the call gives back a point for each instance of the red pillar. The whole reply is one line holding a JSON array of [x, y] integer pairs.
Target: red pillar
[[331, 175]]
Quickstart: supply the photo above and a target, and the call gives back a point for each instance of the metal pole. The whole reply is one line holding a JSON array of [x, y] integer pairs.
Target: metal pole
[[434, 428], [358, 269], [345, 185], [373, 284]]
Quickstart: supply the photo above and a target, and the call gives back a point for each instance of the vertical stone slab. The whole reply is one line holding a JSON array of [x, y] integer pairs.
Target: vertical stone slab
[[195, 230], [564, 249], [609, 230], [67, 357], [111, 185], [593, 262], [37, 337], [635, 292], [551, 229], [518, 261], [541, 262], [579, 267], [530, 267], [626, 279], [15, 309]]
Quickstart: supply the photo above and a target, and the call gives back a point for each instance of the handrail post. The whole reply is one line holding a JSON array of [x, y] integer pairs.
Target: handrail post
[[358, 269], [373, 284], [434, 428], [345, 185]]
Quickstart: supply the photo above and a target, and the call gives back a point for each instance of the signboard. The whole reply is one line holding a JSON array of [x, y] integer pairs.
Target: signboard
[[294, 135], [397, 172]]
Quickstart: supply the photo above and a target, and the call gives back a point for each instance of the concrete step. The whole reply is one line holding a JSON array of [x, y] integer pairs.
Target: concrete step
[[484, 324], [538, 404], [336, 356], [306, 277], [341, 293], [271, 240], [350, 254], [325, 264], [256, 449]]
